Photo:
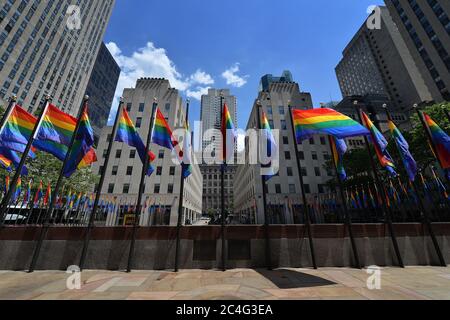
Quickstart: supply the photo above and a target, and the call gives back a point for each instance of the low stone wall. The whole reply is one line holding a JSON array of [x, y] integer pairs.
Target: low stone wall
[[201, 247]]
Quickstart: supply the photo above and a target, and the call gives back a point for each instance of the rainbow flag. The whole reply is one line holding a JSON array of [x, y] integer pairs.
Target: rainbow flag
[[128, 134], [162, 134], [339, 148], [5, 163], [7, 182], [228, 134], [82, 154], [18, 129], [441, 141], [186, 154], [48, 194], [272, 149], [403, 148], [38, 195], [56, 131], [380, 143], [27, 196], [14, 157], [18, 190], [325, 121]]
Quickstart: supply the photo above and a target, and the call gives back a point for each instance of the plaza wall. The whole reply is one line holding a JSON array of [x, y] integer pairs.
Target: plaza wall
[[201, 247]]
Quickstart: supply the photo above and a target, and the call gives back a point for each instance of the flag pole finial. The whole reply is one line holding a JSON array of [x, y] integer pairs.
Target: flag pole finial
[[415, 106], [385, 106], [121, 99], [13, 98], [155, 100], [86, 98]]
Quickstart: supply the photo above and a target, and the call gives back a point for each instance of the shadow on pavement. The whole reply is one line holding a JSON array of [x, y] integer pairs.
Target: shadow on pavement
[[288, 279]]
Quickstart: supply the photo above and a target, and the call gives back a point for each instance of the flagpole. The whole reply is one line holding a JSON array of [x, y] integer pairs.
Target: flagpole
[[222, 180], [54, 198], [387, 212], [8, 111], [426, 215], [145, 167], [7, 197], [91, 224], [348, 218], [180, 204], [264, 192], [305, 202]]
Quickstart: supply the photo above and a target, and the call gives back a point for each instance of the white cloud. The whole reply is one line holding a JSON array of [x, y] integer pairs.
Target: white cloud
[[201, 77], [197, 93], [153, 62], [232, 78]]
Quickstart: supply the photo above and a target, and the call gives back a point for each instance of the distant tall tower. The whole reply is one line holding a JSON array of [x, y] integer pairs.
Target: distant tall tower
[[50, 47], [378, 62], [211, 119], [101, 89], [425, 26]]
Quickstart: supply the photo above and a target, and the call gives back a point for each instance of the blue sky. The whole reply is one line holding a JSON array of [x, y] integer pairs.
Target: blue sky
[[230, 44]]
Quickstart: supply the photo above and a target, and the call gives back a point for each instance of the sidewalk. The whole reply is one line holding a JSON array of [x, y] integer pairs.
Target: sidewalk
[[421, 283]]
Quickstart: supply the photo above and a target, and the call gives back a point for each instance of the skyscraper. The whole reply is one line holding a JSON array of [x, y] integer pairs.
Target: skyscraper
[[101, 89], [211, 119], [425, 27], [125, 168], [379, 62], [275, 101], [50, 47]]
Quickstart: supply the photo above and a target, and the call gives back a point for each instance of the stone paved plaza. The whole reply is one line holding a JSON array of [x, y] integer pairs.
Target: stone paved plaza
[[421, 283]]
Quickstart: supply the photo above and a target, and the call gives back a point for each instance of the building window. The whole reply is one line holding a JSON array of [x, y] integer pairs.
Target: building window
[[307, 189], [108, 138], [167, 107], [317, 171], [157, 188], [287, 155], [129, 171], [277, 188], [138, 122], [105, 152], [161, 154], [100, 170], [111, 188], [321, 188], [159, 171], [269, 110], [132, 154], [170, 189], [126, 188], [172, 171], [292, 188], [323, 141], [301, 155], [115, 169], [283, 125], [314, 155], [304, 172], [290, 172], [118, 154], [311, 141], [281, 110], [141, 107], [129, 105], [285, 140]]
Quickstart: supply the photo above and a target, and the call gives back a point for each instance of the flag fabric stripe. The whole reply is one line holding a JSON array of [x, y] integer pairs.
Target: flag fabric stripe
[[403, 148], [441, 140], [162, 134], [325, 121], [128, 134], [271, 146], [339, 150], [82, 154], [228, 133]]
